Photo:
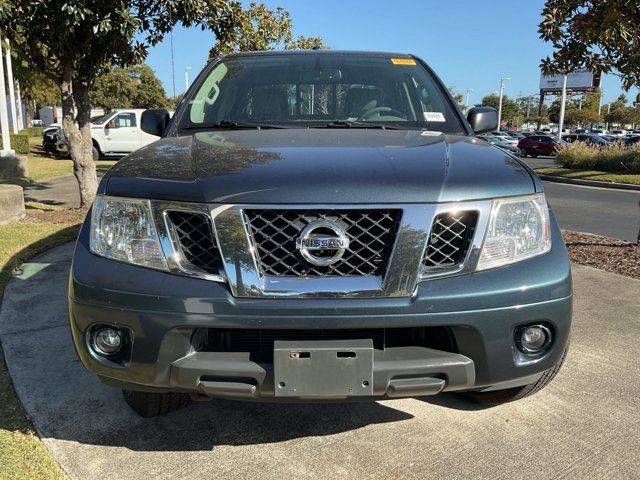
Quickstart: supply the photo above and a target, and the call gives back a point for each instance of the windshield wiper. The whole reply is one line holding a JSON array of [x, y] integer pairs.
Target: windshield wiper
[[356, 124], [231, 125]]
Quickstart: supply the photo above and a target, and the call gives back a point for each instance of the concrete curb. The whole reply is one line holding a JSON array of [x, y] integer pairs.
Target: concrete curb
[[11, 203], [589, 183]]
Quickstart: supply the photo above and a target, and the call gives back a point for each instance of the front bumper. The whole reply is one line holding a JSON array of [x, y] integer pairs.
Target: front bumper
[[163, 312]]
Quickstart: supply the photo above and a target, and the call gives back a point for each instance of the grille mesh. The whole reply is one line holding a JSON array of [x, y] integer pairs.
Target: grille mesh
[[449, 240], [193, 233], [371, 234]]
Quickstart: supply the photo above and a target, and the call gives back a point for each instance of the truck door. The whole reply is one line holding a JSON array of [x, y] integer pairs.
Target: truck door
[[122, 133]]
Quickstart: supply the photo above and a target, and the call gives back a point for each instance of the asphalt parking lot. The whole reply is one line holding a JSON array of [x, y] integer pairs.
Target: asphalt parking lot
[[584, 425], [601, 211]]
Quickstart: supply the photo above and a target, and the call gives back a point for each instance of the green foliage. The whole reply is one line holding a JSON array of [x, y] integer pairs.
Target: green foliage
[[510, 109], [623, 115], [599, 35], [581, 117], [616, 158], [113, 89], [132, 87], [72, 41], [149, 92], [19, 142], [259, 28], [458, 97], [173, 102], [538, 119], [32, 131]]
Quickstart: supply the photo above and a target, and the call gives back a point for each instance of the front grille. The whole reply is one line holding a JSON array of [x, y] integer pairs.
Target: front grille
[[193, 234], [371, 234], [262, 340], [449, 240]]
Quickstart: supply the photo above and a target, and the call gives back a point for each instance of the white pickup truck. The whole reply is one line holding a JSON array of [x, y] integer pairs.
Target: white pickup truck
[[118, 133]]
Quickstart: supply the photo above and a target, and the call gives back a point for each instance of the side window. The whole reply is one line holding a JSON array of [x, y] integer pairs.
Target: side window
[[534, 138], [125, 120]]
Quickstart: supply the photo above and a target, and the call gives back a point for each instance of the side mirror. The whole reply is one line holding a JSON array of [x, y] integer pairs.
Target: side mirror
[[483, 119], [154, 121]]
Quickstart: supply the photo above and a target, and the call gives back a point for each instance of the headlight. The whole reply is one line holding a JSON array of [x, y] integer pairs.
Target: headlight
[[123, 229], [518, 229]]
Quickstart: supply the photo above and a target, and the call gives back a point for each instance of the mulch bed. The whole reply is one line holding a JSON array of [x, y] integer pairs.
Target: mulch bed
[[42, 214], [605, 253]]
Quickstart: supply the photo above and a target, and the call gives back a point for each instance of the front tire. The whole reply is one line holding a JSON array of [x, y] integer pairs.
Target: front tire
[[511, 394], [95, 153], [150, 405]]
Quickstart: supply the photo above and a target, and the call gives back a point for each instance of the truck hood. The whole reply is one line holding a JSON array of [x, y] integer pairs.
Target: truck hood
[[319, 166]]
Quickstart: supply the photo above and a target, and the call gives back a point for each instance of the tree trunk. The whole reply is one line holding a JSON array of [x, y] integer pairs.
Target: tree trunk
[[79, 135], [26, 100]]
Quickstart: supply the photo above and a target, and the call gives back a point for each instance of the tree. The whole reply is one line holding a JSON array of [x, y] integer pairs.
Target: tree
[[458, 97], [510, 109], [599, 35], [260, 28], [581, 117], [132, 87], [34, 88], [73, 41], [113, 89], [148, 92]]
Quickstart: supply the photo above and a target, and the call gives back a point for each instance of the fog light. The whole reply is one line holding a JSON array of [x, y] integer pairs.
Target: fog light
[[107, 341], [533, 339]]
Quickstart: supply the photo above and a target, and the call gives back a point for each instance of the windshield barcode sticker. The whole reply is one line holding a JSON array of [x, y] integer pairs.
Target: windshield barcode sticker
[[434, 117]]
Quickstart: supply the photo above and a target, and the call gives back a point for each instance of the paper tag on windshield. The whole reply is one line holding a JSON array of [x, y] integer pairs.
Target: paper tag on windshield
[[434, 117]]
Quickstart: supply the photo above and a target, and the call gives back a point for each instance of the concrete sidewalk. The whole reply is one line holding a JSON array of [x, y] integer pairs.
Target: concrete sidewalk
[[584, 425]]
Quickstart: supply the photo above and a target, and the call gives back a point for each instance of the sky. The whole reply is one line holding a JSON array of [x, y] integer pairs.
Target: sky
[[469, 44]]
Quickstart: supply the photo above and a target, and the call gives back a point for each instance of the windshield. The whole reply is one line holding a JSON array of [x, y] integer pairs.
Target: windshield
[[101, 119], [317, 90]]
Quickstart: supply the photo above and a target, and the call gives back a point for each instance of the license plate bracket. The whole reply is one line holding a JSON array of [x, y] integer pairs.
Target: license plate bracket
[[323, 368]]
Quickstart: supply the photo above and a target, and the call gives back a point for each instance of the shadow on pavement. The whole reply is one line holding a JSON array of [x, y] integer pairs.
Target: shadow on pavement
[[66, 402]]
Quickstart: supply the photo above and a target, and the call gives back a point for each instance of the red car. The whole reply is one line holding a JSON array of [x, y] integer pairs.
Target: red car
[[535, 145]]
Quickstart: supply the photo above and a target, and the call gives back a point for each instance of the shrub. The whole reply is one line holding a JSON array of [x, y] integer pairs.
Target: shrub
[[617, 158], [19, 143], [32, 131]]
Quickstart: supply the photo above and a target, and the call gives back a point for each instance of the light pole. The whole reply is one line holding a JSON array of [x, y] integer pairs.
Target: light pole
[[500, 104], [469, 90], [186, 78], [563, 104], [4, 116]]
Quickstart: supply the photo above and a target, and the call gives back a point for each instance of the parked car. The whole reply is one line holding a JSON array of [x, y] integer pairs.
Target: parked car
[[36, 122], [118, 133], [535, 145], [51, 138], [319, 226], [618, 133], [517, 135], [589, 138], [505, 137], [499, 142], [631, 141]]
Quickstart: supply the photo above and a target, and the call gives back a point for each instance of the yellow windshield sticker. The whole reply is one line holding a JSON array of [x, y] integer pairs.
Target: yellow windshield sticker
[[403, 61]]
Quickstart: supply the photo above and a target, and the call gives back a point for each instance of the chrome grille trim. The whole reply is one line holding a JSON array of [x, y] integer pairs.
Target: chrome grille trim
[[372, 233], [192, 233], [245, 279], [449, 240]]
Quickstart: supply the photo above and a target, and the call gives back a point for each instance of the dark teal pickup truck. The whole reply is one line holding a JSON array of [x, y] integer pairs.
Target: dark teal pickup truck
[[319, 226]]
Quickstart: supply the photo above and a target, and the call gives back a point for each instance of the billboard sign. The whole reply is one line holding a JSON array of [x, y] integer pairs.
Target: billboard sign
[[582, 80]]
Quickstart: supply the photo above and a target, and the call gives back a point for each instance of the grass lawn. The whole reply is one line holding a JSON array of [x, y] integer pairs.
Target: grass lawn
[[43, 166], [630, 178], [22, 454]]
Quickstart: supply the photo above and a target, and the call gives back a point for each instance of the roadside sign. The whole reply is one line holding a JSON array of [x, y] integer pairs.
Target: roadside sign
[[582, 80]]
